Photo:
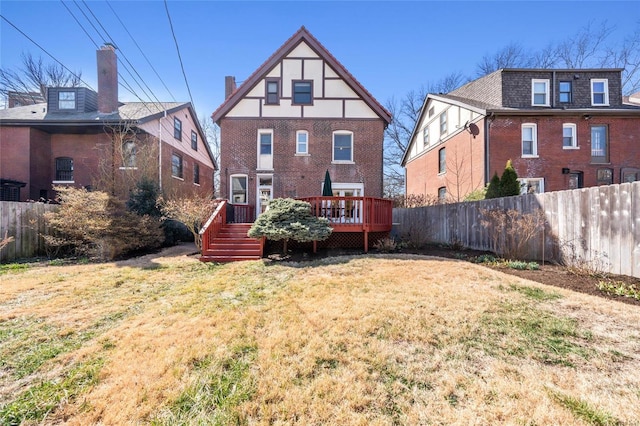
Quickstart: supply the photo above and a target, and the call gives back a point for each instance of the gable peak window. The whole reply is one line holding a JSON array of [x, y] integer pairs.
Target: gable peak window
[[272, 88], [177, 128], [539, 92], [443, 124], [303, 92], [564, 95], [425, 136], [67, 99], [569, 139], [599, 92], [64, 169], [529, 140]]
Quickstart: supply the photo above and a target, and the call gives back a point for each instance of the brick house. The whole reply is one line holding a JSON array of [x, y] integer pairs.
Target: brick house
[[299, 114], [87, 139], [562, 129]]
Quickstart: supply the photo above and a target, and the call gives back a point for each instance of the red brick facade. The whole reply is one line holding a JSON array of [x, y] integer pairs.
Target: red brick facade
[[301, 175]]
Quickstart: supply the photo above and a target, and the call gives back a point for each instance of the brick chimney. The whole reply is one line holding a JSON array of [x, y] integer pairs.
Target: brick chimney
[[107, 79], [229, 86]]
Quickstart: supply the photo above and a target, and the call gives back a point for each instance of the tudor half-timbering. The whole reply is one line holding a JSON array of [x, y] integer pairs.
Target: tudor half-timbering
[[301, 113]]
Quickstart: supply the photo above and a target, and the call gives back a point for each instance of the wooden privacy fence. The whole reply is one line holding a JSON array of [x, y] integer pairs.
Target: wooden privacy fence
[[25, 223], [597, 227]]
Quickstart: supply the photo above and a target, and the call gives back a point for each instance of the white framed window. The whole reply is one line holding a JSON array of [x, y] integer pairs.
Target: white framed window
[[443, 124], [599, 144], [265, 149], [569, 136], [599, 92], [238, 189], [67, 100], [128, 154], [302, 142], [539, 92], [342, 146], [177, 168], [425, 136], [531, 185], [529, 140]]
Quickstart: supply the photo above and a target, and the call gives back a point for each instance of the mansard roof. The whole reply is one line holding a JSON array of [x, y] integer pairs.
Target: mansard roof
[[302, 35]]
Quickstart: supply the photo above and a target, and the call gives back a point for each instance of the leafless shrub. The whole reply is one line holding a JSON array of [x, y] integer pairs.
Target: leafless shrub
[[386, 245], [193, 211], [511, 230], [6, 240], [579, 265], [98, 225], [415, 200], [416, 235]]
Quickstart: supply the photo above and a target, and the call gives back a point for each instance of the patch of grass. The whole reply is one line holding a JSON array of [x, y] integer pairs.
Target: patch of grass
[[518, 264], [219, 388], [535, 293], [582, 410], [13, 267], [485, 258], [38, 401], [524, 331], [619, 288]]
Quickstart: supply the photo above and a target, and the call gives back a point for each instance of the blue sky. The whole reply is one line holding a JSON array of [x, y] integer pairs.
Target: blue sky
[[391, 47]]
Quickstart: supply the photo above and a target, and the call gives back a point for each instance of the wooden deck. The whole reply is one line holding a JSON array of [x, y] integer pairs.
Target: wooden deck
[[346, 215]]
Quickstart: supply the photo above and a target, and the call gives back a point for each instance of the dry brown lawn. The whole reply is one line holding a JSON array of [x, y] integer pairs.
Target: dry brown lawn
[[366, 340]]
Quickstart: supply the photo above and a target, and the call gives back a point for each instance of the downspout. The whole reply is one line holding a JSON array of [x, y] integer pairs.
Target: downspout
[[160, 151], [553, 89]]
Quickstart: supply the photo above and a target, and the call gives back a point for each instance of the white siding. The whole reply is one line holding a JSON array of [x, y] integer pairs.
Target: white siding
[[358, 109], [337, 89], [246, 108], [329, 72], [302, 51], [275, 72]]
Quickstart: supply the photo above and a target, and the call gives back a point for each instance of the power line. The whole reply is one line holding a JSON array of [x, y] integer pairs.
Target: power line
[[79, 24], [166, 6], [141, 51], [45, 51]]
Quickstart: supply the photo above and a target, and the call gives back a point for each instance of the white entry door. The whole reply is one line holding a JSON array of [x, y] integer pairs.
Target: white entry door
[[265, 192]]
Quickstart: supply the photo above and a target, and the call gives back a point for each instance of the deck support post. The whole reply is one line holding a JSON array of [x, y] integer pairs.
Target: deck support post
[[315, 246], [366, 241]]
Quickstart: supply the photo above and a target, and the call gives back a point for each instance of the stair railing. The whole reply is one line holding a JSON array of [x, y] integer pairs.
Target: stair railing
[[213, 225]]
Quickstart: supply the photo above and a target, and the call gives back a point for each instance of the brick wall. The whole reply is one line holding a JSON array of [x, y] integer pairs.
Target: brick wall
[[465, 167], [505, 144], [301, 176]]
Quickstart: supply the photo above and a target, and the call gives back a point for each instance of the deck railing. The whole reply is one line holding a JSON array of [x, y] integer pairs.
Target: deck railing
[[214, 224], [353, 213]]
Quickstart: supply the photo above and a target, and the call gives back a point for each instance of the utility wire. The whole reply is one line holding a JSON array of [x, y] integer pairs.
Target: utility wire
[[166, 6], [141, 51], [79, 24], [45, 51]]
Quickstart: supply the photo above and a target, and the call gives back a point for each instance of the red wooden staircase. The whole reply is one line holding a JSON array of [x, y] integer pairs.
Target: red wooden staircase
[[227, 242]]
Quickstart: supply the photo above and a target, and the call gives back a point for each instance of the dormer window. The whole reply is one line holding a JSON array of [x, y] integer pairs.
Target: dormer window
[[539, 92], [599, 92], [67, 100]]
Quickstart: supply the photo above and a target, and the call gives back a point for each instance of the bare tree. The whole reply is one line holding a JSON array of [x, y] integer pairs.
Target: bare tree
[[627, 56], [513, 55], [585, 48], [212, 133], [34, 76]]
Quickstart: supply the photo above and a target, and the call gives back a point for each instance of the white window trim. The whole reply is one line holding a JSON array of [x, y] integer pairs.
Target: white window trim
[[606, 91], [333, 147], [574, 132], [300, 132], [534, 145], [425, 141], [63, 181], [231, 187], [261, 132], [546, 91], [446, 123], [525, 181]]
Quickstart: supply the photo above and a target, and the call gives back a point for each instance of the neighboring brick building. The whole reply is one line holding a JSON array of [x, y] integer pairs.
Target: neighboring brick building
[[301, 113], [88, 139], [562, 129]]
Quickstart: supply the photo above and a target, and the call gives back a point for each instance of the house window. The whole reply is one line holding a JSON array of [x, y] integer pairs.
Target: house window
[[176, 166], [265, 144], [599, 144], [67, 100], [177, 128], [443, 123], [529, 140], [629, 174], [425, 136], [272, 95], [194, 140], [539, 92], [265, 149], [565, 92], [342, 147], [442, 161], [442, 194], [431, 111], [64, 169], [569, 139], [302, 91], [576, 180], [604, 176], [302, 142], [196, 173], [239, 189], [129, 154], [531, 185], [599, 92]]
